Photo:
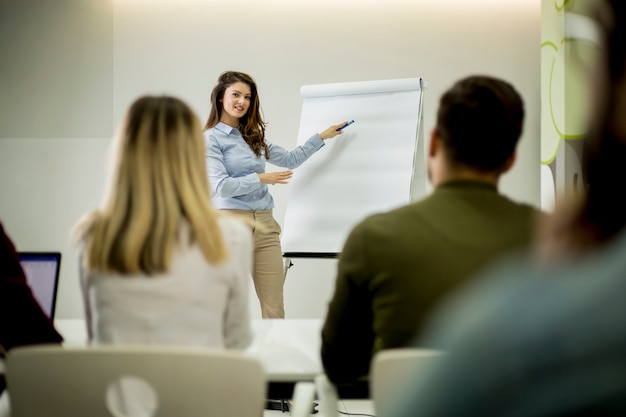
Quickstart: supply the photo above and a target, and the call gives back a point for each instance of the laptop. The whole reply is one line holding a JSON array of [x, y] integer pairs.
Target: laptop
[[42, 274]]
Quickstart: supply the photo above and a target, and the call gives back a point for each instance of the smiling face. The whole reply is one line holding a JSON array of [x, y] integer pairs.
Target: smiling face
[[235, 103]]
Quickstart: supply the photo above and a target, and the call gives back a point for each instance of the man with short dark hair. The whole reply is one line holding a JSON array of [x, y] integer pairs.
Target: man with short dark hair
[[396, 267]]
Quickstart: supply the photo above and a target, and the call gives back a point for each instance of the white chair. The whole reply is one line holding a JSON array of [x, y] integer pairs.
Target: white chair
[[391, 368], [137, 381], [5, 406], [4, 398], [306, 392], [303, 396]]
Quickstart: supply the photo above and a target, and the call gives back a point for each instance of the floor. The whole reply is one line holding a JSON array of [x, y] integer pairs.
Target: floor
[[344, 408]]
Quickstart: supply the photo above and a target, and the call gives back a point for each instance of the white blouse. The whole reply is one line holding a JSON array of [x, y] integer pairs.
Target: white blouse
[[195, 303]]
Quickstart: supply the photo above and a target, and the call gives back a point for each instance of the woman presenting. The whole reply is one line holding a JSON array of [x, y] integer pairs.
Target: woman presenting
[[236, 152]]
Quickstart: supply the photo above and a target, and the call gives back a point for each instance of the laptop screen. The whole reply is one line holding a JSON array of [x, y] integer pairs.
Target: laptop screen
[[42, 274]]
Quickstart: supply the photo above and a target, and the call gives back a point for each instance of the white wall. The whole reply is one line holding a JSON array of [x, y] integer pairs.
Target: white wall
[[71, 68]]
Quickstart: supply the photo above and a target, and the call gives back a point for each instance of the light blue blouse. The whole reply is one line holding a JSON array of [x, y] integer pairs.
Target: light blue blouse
[[233, 167]]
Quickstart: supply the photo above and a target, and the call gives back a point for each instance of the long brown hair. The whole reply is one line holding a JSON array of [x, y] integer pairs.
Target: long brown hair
[[252, 126]]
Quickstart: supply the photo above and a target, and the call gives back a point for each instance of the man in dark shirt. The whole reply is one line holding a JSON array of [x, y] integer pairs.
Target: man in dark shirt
[[396, 267]]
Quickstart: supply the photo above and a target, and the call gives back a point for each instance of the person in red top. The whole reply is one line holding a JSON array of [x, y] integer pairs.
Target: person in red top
[[22, 321]]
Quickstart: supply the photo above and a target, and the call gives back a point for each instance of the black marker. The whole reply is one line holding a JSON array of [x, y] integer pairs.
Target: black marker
[[346, 125]]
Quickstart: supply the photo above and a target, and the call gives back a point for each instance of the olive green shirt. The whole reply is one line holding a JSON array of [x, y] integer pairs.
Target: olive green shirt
[[396, 266]]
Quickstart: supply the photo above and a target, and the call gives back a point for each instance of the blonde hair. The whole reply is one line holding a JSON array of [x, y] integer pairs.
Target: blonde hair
[[158, 182]]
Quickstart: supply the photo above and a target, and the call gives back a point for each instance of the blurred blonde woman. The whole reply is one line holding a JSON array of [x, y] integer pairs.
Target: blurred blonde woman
[[159, 265]]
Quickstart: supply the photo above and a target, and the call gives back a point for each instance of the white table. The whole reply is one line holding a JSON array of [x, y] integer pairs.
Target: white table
[[289, 349]]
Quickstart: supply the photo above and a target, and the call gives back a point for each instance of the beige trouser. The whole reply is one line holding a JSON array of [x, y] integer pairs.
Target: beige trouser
[[268, 271]]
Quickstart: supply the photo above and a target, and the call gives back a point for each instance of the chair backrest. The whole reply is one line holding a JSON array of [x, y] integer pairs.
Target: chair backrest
[[137, 381], [392, 368], [326, 393]]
